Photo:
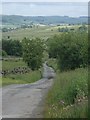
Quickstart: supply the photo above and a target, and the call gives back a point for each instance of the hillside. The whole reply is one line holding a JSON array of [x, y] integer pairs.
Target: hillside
[[15, 19]]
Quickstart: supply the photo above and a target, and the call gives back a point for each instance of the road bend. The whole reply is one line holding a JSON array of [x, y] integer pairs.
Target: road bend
[[27, 100]]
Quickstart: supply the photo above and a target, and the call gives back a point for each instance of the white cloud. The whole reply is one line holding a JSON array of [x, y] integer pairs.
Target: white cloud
[[32, 5], [37, 9]]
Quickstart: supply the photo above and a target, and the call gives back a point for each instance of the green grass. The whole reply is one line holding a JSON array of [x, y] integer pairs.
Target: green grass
[[21, 78], [53, 63], [68, 95], [26, 78], [42, 32], [0, 81], [10, 64]]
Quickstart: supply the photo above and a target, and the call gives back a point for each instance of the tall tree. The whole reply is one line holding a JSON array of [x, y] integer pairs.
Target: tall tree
[[33, 52]]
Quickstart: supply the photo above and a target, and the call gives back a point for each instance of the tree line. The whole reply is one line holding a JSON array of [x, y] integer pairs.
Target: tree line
[[11, 47], [82, 28], [30, 49], [70, 50]]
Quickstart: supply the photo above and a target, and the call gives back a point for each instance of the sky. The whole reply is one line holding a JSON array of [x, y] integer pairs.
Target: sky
[[44, 0], [50, 8]]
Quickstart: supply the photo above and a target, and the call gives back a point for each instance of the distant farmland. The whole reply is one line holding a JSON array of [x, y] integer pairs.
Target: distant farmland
[[38, 31]]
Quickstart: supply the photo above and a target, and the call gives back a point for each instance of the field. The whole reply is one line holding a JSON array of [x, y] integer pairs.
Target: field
[[37, 31], [12, 63], [18, 78], [68, 96], [21, 79]]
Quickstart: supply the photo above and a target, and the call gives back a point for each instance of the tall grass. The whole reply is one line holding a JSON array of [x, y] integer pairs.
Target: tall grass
[[68, 96]]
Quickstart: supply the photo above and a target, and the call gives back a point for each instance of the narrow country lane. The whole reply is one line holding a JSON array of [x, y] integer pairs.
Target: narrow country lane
[[27, 100]]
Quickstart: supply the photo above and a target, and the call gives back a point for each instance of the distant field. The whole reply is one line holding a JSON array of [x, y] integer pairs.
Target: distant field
[[9, 26], [41, 32]]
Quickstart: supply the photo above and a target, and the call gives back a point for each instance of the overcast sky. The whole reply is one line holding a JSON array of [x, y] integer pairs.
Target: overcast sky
[[44, 0], [27, 8]]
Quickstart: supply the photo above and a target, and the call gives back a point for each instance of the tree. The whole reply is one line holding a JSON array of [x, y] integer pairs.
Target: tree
[[4, 30], [53, 46], [12, 47], [70, 49], [63, 29], [33, 52], [83, 28], [4, 54]]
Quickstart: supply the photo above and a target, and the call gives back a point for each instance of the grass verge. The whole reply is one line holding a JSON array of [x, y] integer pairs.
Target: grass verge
[[21, 78], [68, 95]]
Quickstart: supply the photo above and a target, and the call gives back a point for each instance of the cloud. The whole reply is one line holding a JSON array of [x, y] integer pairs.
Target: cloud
[[32, 5], [45, 9]]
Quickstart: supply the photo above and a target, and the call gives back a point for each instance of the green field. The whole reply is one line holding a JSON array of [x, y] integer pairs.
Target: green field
[[42, 32], [68, 95], [21, 78], [9, 26], [12, 63], [26, 78]]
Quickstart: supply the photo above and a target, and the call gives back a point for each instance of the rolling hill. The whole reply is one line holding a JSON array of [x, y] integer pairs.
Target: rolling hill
[[18, 20]]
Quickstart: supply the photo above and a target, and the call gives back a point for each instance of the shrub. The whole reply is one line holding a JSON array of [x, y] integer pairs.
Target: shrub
[[70, 49], [53, 46], [12, 47], [63, 29], [33, 52], [4, 54]]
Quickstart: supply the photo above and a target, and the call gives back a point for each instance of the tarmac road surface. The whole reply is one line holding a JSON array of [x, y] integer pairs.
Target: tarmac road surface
[[27, 100]]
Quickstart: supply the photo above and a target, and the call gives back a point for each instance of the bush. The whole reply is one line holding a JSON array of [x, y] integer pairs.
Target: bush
[[4, 54], [12, 47], [83, 28], [33, 52], [70, 49], [63, 29], [53, 46], [69, 55]]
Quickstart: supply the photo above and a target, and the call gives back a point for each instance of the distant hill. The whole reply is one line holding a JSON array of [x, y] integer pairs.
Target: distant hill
[[15, 19]]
